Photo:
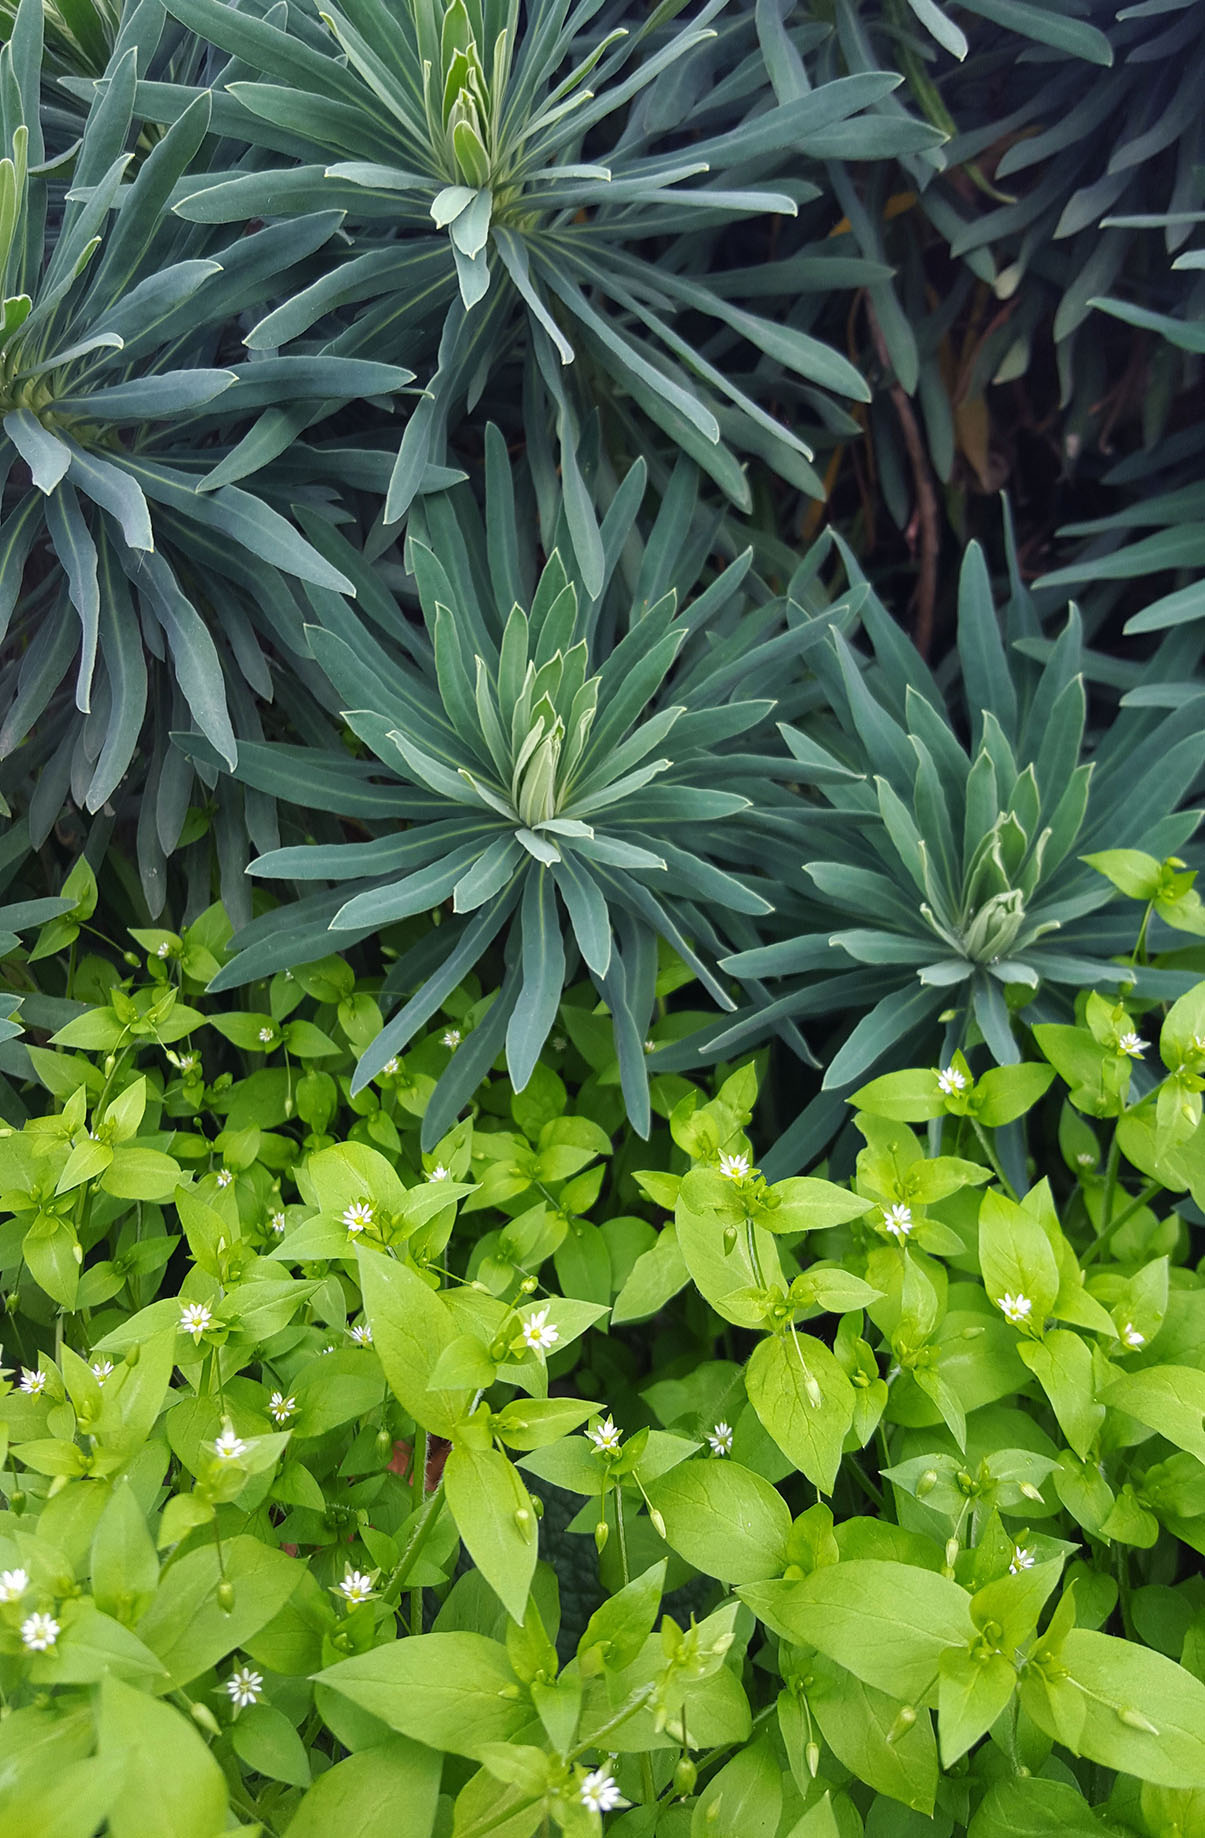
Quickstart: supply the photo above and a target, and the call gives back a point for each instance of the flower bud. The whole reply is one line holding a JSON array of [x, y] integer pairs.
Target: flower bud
[[729, 1240], [685, 1776], [133, 1354], [16, 1501], [811, 1756], [522, 1518], [1134, 1720], [902, 1724], [110, 1065], [528, 1286], [1031, 1492], [226, 1596], [926, 1483], [658, 1522], [204, 1718], [952, 1549], [602, 1532], [131, 958]]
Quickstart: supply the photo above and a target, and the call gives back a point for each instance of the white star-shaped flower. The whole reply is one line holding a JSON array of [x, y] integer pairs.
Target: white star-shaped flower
[[898, 1221], [359, 1214], [1131, 1336], [39, 1632], [599, 1792], [452, 1037], [650, 1046], [13, 1584], [163, 950], [278, 1223], [951, 1081], [356, 1587], [1022, 1559], [362, 1335], [720, 1438], [33, 1383], [225, 1177], [1130, 1044], [734, 1167], [1015, 1309], [439, 1173], [245, 1687], [539, 1333], [606, 1437], [280, 1408], [101, 1370], [187, 1062], [195, 1319], [229, 1446], [389, 1068], [266, 1035]]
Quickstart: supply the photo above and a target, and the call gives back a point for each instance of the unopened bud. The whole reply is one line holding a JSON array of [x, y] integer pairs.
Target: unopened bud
[[811, 1756], [685, 1776], [226, 1596], [814, 1393], [1031, 1492], [131, 958], [522, 1518], [16, 1501], [658, 1522], [952, 1549], [602, 1532], [926, 1483], [729, 1240], [133, 1354], [205, 1719], [509, 1691], [903, 1723], [528, 1286], [384, 1442], [1134, 1720]]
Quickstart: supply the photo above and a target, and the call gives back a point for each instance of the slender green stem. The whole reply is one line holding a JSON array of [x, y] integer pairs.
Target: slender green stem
[[1112, 1166], [595, 1739], [414, 1544], [1123, 1218], [989, 1150], [621, 1534]]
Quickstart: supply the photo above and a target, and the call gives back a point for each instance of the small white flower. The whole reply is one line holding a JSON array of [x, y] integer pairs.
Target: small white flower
[[278, 1223], [1129, 1044], [720, 1438], [650, 1046], [439, 1173], [389, 1068], [163, 950], [323, 1350], [195, 1319], [1022, 1559], [606, 1438], [245, 1686], [1085, 1159], [734, 1167], [33, 1383], [599, 1792], [101, 1370], [1015, 1309], [13, 1584], [1131, 1336], [539, 1333], [39, 1632], [362, 1335], [266, 1035], [187, 1062], [452, 1037], [356, 1587], [280, 1408], [229, 1446], [951, 1082], [898, 1221], [225, 1177], [359, 1214]]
